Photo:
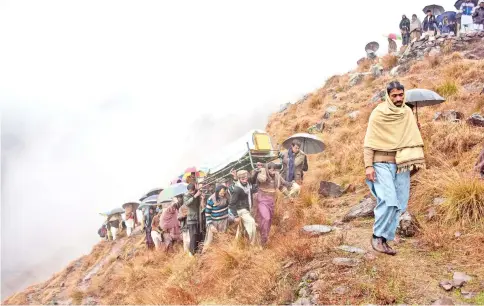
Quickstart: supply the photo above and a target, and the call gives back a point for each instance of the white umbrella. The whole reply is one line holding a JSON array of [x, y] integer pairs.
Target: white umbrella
[[310, 144]]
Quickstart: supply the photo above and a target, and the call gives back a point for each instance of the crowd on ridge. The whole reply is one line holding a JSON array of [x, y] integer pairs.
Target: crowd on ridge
[[469, 18]]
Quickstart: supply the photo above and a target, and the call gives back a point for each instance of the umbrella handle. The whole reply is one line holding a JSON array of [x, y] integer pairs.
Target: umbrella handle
[[416, 110]]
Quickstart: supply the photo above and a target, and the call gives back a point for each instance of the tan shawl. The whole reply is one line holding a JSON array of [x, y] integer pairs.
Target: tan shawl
[[394, 129]]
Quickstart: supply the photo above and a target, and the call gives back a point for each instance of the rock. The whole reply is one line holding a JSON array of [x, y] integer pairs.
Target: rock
[[467, 294], [407, 226], [370, 256], [283, 107], [476, 120], [63, 285], [431, 213], [302, 301], [332, 109], [356, 79], [447, 285], [317, 230], [354, 115], [362, 210], [379, 96], [376, 71], [341, 290], [460, 278], [438, 201], [310, 277], [457, 234], [351, 249], [288, 265], [317, 128], [452, 116], [444, 301], [394, 71], [345, 262], [303, 292], [434, 52], [330, 189]]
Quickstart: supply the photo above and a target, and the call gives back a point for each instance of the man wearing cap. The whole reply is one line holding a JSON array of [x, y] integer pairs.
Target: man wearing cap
[[393, 148], [241, 201]]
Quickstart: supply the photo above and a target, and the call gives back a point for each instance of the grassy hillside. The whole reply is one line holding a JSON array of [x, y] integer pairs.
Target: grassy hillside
[[295, 265]]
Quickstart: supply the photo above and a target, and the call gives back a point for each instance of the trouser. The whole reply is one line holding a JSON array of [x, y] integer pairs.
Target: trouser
[[129, 226], [186, 240], [114, 231], [156, 239], [391, 190], [248, 223], [195, 237], [221, 227], [405, 38], [264, 215]]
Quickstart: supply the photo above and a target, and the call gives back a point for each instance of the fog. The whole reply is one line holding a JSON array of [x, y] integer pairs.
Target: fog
[[102, 101]]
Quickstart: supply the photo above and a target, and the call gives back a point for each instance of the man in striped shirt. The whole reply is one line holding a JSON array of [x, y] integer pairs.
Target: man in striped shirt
[[216, 213]]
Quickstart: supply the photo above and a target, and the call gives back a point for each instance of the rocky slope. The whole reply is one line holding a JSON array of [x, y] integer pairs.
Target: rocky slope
[[440, 254]]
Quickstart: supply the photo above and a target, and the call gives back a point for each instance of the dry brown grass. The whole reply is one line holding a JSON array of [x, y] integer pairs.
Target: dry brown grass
[[389, 61], [447, 89], [433, 61]]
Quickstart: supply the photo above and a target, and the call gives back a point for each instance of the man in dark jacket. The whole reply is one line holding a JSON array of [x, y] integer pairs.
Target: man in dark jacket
[[191, 200], [241, 202], [430, 24], [405, 30], [478, 16]]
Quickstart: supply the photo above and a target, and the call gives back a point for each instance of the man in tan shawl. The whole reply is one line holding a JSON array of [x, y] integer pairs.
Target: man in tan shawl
[[393, 149]]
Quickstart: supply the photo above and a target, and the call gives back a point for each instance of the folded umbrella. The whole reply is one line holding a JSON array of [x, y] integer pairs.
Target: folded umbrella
[[310, 144]]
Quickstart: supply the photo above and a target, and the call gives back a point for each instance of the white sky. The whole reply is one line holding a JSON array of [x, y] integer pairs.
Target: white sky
[[103, 100]]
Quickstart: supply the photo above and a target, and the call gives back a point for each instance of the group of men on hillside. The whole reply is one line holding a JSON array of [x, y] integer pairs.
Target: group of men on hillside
[[471, 19], [245, 199]]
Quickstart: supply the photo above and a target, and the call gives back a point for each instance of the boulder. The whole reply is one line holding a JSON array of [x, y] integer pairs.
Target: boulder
[[341, 290], [331, 109], [362, 210], [468, 294], [394, 71], [476, 120], [330, 189], [317, 128], [451, 115], [434, 52], [351, 249], [431, 213], [408, 226], [376, 71], [460, 278], [354, 115], [379, 96], [302, 301], [356, 79], [345, 262], [447, 285], [283, 107], [316, 230]]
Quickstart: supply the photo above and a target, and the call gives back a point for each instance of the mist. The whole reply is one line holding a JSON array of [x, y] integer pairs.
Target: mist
[[102, 101]]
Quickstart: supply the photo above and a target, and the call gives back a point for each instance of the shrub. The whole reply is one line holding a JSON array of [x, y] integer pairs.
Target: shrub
[[465, 202], [434, 61], [447, 89]]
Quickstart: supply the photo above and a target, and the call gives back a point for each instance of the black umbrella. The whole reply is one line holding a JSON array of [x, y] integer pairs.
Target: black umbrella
[[458, 4], [435, 9], [422, 97]]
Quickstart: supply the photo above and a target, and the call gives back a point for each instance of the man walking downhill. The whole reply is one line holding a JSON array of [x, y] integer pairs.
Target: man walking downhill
[[192, 201], [393, 149]]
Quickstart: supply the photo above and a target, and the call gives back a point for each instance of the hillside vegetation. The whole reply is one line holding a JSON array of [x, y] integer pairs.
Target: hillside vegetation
[[125, 272]]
